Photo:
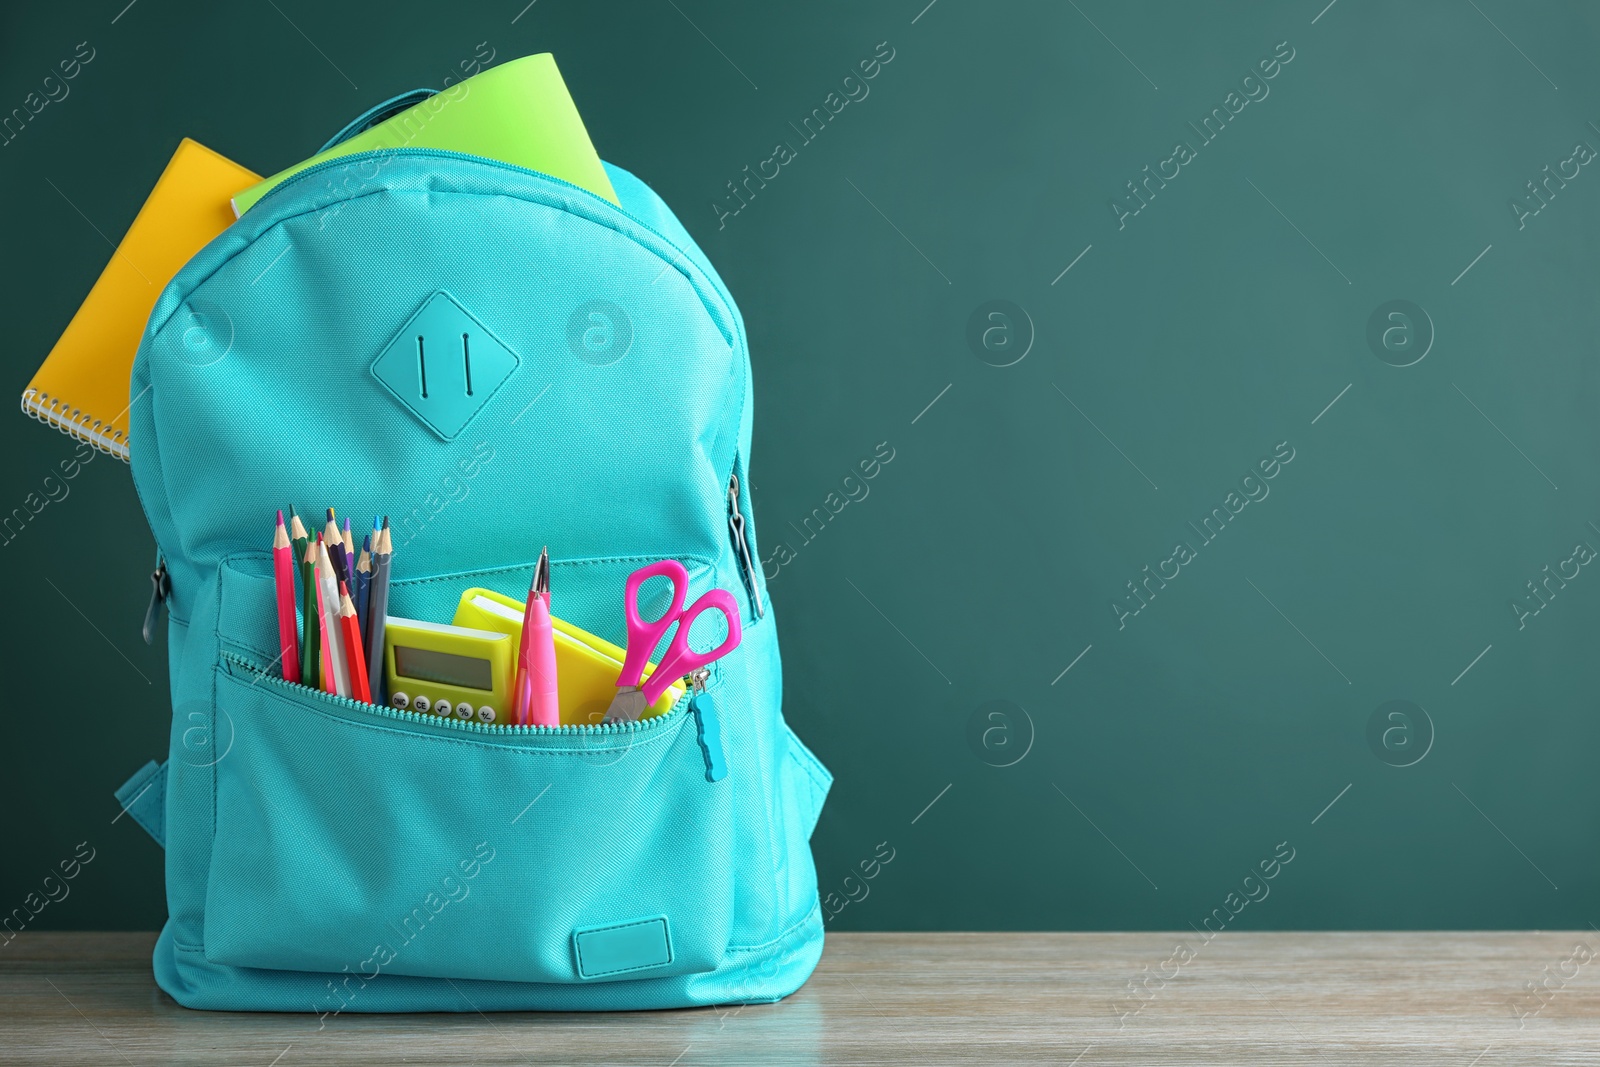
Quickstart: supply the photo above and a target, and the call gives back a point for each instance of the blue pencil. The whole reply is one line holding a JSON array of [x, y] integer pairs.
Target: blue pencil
[[378, 607], [374, 542]]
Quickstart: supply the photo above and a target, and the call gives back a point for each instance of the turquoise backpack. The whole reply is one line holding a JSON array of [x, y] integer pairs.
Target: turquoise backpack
[[327, 856]]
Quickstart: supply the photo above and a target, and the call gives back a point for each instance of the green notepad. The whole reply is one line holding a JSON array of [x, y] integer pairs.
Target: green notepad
[[519, 112]]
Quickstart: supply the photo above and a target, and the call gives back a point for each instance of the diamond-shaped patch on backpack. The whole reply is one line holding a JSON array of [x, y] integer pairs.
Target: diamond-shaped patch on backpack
[[444, 365]]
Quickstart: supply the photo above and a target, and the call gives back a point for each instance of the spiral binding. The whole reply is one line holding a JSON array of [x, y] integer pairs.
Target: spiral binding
[[77, 423]]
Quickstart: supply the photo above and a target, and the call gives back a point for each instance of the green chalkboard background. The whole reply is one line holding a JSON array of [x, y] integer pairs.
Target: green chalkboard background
[[962, 646]]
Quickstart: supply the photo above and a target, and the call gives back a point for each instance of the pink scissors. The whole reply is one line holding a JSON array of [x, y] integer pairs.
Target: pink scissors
[[633, 693]]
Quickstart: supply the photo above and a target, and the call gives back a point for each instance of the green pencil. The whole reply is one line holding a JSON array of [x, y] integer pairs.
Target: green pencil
[[310, 626], [299, 539]]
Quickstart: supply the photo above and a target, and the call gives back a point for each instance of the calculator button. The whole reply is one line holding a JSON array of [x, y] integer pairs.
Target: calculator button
[[399, 700], [486, 714], [421, 702], [463, 710]]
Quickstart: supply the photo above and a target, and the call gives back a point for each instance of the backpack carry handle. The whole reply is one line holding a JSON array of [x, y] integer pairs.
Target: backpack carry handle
[[380, 113]]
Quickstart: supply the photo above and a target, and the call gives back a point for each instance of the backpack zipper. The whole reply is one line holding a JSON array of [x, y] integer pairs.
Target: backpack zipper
[[741, 545], [699, 703], [715, 284], [346, 160], [160, 589], [347, 705]]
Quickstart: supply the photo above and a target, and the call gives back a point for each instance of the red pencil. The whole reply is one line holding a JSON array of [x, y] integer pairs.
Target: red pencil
[[283, 574], [359, 689]]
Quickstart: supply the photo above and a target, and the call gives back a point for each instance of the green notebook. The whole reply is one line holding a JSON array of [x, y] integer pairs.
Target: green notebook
[[519, 112]]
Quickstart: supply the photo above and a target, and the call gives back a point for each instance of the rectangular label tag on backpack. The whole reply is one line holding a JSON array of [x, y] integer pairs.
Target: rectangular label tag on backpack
[[635, 945]]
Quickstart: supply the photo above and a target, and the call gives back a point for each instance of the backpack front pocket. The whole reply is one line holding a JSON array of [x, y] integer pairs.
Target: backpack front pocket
[[356, 839]]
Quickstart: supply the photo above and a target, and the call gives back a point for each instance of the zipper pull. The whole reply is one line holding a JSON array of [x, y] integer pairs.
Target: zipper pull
[[742, 545], [160, 589], [707, 727]]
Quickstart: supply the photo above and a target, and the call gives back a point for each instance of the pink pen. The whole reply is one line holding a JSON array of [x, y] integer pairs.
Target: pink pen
[[537, 700]]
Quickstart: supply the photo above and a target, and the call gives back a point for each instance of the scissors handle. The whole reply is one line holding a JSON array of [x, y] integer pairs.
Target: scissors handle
[[682, 659], [644, 636]]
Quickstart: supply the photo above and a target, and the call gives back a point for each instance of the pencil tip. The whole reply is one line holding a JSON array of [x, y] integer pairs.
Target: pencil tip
[[386, 522], [280, 516]]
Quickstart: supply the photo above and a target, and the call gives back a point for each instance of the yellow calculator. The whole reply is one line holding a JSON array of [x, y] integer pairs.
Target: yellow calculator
[[587, 666], [448, 670]]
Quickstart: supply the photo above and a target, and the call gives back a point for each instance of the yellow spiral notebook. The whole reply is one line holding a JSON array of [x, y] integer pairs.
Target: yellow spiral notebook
[[82, 386]]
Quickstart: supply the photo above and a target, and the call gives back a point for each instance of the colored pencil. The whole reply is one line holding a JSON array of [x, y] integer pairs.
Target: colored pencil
[[310, 625], [352, 647], [378, 612], [366, 611], [349, 556], [333, 540], [328, 678], [363, 590], [299, 539], [328, 583], [297, 535], [283, 578]]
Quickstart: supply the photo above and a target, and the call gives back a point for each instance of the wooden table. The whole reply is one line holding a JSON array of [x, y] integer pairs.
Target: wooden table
[[1244, 998]]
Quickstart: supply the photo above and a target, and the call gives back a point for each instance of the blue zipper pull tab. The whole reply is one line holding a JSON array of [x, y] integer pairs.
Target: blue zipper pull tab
[[707, 727], [160, 589]]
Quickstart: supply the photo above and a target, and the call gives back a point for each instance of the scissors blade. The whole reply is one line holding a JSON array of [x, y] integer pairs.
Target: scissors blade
[[627, 705]]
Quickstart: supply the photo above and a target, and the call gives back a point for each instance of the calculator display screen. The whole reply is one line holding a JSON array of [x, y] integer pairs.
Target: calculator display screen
[[428, 665]]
